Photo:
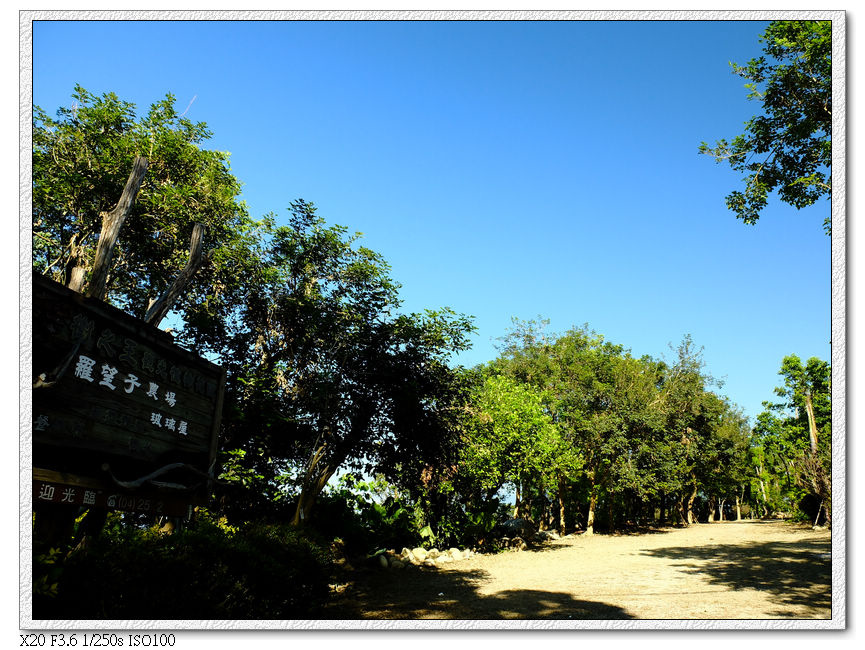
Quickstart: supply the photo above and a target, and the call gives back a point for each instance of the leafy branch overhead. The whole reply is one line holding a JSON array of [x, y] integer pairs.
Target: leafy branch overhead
[[788, 147]]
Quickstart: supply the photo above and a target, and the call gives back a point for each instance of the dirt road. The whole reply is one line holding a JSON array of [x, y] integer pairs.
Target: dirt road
[[727, 570]]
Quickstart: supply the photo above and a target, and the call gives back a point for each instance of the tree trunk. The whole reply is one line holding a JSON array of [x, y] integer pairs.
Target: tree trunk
[[738, 509], [111, 224], [721, 509], [691, 518], [812, 423], [662, 514], [76, 272], [593, 503], [76, 278], [562, 487], [680, 510], [160, 307], [610, 511], [517, 501], [711, 510], [314, 482]]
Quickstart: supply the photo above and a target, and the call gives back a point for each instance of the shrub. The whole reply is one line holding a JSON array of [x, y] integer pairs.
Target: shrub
[[209, 571]]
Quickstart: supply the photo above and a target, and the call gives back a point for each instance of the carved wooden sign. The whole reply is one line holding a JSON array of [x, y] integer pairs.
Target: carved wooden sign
[[117, 401]]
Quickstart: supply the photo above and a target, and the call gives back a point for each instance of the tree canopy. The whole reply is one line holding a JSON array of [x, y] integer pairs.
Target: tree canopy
[[788, 147], [81, 161]]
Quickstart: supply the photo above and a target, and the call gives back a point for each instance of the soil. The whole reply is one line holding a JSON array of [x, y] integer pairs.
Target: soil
[[724, 570]]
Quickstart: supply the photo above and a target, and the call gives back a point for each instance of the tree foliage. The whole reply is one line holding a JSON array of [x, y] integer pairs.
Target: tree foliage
[[327, 373], [81, 161], [787, 148]]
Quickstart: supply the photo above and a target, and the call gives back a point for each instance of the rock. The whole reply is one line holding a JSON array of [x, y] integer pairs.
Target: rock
[[419, 553], [518, 528], [382, 560], [456, 554], [518, 544], [547, 535], [397, 564], [433, 553], [429, 562]]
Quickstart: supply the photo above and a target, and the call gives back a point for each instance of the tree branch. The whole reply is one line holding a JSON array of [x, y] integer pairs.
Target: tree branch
[[111, 224], [159, 308]]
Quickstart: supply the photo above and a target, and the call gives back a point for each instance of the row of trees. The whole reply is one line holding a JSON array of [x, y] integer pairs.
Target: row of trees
[[582, 431], [325, 374]]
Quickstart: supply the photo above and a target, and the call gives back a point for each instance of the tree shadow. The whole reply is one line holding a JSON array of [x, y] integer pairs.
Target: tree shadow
[[453, 595], [794, 574]]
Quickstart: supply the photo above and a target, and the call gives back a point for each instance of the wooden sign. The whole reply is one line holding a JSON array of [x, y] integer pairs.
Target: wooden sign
[[116, 398], [66, 489]]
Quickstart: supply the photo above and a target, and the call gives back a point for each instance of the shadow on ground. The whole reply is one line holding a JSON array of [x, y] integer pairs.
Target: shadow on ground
[[794, 574], [433, 594]]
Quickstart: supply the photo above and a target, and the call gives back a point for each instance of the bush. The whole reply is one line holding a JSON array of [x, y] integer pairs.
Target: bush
[[366, 515], [209, 571]]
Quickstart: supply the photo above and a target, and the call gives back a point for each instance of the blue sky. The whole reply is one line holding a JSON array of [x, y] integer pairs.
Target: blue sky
[[504, 169]]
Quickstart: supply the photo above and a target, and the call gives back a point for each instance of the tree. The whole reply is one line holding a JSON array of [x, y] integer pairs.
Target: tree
[[788, 148], [326, 375], [511, 435], [81, 163], [724, 457], [689, 411], [799, 428]]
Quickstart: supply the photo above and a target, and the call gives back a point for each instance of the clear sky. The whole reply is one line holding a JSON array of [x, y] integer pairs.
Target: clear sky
[[504, 169]]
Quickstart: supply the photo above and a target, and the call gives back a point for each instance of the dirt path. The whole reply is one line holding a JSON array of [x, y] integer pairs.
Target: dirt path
[[730, 570]]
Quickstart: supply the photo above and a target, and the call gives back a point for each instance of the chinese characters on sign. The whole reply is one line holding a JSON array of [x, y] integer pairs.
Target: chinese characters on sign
[[84, 371], [56, 492]]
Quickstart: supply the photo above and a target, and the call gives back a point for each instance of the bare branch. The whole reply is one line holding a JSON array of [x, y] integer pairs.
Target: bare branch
[[111, 224]]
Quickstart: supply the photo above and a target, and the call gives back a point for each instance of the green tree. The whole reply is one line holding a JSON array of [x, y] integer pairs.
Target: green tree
[[689, 412], [787, 148], [798, 429], [512, 436], [724, 458], [81, 163], [327, 375]]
